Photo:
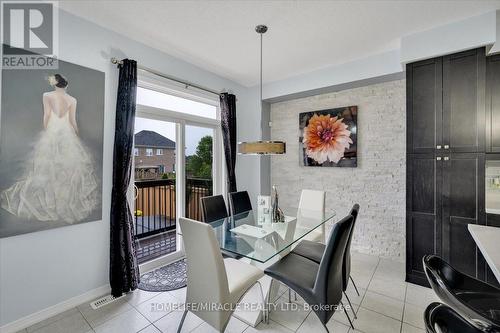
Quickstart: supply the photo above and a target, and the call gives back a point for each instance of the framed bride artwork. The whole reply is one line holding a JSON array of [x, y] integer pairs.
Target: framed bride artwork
[[51, 148]]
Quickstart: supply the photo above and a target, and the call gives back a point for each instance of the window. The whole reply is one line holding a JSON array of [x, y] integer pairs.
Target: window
[[136, 151], [172, 128], [160, 100]]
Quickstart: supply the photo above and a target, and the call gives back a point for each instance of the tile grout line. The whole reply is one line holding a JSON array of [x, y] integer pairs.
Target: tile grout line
[[81, 313], [364, 294], [270, 320], [281, 325], [404, 306], [202, 322], [149, 299], [303, 321], [392, 298], [119, 314], [55, 321], [285, 300], [159, 330]]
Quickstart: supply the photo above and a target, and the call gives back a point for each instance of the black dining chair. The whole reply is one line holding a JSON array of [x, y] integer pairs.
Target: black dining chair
[[213, 208], [440, 318], [239, 202], [474, 300], [314, 251], [320, 285]]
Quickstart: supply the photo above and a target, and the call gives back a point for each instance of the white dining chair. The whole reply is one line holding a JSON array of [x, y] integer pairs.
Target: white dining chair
[[312, 205], [212, 280]]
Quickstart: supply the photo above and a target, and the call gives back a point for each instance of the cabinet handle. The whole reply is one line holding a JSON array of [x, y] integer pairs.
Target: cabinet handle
[[438, 158], [446, 147], [438, 147], [446, 158]]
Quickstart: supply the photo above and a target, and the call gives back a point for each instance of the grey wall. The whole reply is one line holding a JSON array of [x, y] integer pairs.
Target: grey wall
[[377, 184], [41, 269]]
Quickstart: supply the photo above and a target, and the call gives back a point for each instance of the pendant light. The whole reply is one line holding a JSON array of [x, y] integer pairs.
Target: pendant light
[[261, 147]]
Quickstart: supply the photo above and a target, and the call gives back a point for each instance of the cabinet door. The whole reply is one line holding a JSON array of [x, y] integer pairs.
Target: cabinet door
[[424, 105], [463, 204], [464, 101], [492, 220], [493, 104], [423, 213]]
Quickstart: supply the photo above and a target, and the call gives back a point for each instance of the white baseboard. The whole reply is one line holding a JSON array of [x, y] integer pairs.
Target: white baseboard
[[53, 310]]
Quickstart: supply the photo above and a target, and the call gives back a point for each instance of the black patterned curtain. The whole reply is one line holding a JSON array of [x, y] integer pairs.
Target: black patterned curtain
[[123, 271], [228, 123]]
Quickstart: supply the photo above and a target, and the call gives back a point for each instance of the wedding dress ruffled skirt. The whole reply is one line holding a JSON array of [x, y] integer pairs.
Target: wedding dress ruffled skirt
[[59, 181]]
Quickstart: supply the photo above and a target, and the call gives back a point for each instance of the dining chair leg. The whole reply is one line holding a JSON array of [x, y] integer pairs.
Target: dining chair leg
[[350, 304], [182, 321], [346, 314], [354, 284]]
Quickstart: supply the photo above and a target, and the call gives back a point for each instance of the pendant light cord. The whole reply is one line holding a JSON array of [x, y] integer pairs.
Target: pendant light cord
[[261, 29], [261, 71]]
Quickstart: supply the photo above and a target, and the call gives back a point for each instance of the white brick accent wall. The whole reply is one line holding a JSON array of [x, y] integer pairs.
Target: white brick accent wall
[[377, 184]]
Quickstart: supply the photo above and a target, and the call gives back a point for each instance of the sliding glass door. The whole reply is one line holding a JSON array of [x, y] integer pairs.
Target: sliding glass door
[[177, 160], [155, 188], [199, 168]]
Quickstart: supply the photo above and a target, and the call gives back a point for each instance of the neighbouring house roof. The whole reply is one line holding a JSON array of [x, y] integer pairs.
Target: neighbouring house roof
[[153, 139]]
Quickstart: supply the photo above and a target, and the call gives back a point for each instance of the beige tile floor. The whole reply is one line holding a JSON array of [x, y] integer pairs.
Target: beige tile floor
[[387, 304]]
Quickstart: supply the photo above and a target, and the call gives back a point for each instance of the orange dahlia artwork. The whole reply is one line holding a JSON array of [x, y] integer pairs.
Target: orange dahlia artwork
[[329, 137]]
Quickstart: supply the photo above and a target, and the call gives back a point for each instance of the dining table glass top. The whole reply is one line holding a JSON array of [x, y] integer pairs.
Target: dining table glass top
[[254, 237]]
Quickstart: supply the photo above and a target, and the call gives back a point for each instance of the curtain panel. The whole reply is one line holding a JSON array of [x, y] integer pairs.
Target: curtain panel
[[228, 124], [124, 271]]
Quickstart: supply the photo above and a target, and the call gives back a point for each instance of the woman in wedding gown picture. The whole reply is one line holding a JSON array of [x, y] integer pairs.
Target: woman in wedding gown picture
[[59, 182]]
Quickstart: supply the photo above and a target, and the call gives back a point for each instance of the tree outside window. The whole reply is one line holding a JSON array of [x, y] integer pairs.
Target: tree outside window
[[199, 165]]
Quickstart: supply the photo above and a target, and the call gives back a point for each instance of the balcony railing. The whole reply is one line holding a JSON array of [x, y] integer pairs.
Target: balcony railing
[[155, 213], [195, 189], [154, 207]]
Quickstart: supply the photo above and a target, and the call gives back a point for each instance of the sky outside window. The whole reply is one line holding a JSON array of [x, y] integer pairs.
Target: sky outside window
[[173, 103]]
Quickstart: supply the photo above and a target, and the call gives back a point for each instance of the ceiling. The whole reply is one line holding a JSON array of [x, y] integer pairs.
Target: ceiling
[[303, 35]]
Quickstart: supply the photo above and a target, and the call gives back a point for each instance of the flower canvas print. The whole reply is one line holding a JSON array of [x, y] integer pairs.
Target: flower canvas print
[[329, 137]]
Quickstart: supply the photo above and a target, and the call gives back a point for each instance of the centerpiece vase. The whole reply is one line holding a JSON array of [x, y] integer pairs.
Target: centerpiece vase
[[277, 215]]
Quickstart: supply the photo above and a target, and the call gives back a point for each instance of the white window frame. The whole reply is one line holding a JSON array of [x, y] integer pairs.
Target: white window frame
[[136, 151], [219, 173], [149, 152], [159, 152]]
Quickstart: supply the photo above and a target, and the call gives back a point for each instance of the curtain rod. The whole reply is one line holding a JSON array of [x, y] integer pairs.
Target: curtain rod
[[152, 71]]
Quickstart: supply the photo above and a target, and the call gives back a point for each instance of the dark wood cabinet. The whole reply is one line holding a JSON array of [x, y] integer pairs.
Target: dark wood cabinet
[[493, 104], [464, 101], [424, 105], [423, 213], [448, 105], [462, 204]]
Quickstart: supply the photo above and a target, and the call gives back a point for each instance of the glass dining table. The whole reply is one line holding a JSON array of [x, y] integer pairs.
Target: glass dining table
[[252, 236]]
